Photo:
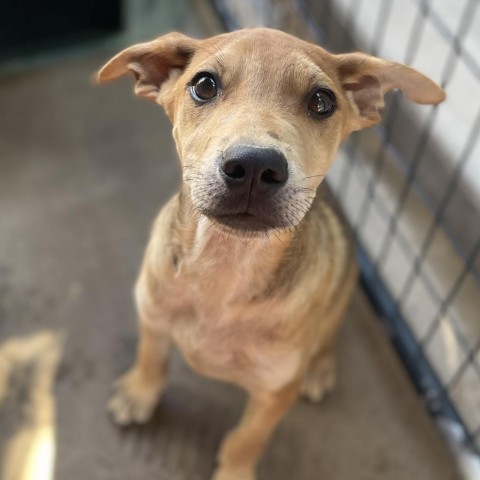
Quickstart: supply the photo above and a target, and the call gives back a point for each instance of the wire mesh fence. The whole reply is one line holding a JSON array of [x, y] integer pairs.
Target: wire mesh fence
[[411, 186]]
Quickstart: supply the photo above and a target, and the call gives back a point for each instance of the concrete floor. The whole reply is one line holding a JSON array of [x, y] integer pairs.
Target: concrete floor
[[83, 172]]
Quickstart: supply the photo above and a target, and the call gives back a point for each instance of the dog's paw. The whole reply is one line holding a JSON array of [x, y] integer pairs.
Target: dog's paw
[[133, 400], [318, 382], [224, 473]]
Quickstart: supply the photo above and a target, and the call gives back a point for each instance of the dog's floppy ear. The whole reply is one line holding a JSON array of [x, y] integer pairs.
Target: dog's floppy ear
[[150, 62], [366, 79]]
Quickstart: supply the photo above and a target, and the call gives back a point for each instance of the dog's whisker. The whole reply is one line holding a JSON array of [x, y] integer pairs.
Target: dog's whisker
[[314, 176]]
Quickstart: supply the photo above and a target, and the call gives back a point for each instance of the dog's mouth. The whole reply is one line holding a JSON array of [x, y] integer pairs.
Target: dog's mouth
[[243, 222], [258, 219], [242, 215]]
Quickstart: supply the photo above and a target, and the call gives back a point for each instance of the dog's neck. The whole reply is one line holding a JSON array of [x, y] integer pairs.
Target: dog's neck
[[247, 263]]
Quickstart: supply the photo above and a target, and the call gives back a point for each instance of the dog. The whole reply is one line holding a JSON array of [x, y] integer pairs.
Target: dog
[[249, 269]]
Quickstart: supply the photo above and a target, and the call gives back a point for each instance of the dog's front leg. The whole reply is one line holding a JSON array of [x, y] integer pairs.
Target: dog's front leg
[[138, 391], [241, 449]]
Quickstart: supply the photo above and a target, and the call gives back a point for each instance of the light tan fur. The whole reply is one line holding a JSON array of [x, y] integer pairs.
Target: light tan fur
[[262, 308]]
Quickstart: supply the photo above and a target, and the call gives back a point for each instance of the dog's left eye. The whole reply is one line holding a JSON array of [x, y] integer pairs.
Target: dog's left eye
[[203, 87], [322, 102]]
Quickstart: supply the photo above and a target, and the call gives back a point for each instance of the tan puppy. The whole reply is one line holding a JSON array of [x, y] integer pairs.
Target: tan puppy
[[248, 271]]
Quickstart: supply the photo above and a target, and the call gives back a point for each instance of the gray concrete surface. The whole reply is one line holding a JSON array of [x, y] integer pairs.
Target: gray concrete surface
[[83, 171]]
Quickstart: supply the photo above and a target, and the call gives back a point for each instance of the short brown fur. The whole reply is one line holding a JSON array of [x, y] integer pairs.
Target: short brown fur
[[257, 307]]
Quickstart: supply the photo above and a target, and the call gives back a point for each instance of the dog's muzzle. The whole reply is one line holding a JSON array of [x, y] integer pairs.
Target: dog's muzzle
[[253, 179]]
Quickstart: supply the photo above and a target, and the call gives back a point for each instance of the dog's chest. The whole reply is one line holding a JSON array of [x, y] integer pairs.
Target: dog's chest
[[229, 332], [242, 355]]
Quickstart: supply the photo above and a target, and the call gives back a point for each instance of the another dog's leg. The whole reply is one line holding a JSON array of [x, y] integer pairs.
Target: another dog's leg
[[138, 391], [241, 449]]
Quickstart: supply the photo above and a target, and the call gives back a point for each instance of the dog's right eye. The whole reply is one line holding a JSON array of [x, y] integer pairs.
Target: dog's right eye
[[203, 87]]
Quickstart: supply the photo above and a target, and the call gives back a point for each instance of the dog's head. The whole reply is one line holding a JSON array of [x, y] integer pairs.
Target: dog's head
[[258, 115]]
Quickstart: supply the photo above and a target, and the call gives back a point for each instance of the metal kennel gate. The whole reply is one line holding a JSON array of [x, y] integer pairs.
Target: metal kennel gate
[[411, 186]]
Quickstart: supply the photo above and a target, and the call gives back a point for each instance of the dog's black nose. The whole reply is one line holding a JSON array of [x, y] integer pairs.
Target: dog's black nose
[[254, 168]]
